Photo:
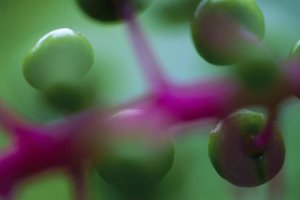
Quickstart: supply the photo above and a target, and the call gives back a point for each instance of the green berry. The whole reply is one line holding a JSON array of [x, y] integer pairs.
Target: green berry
[[258, 74], [133, 160], [223, 30], [70, 98], [60, 56], [109, 10], [236, 159]]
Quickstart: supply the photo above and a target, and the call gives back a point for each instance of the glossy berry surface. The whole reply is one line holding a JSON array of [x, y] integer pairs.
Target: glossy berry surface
[[132, 160], [110, 10], [235, 159], [60, 56], [223, 30], [296, 50]]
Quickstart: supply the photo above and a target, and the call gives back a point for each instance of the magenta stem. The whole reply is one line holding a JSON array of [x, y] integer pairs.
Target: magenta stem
[[263, 139], [214, 99], [9, 196], [144, 54]]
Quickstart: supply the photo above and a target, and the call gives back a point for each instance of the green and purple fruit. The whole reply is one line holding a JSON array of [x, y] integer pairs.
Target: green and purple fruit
[[236, 158], [225, 31], [133, 159]]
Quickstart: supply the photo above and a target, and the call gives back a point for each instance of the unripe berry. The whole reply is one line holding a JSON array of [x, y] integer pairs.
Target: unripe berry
[[236, 159], [133, 159], [261, 79], [70, 98], [110, 10], [60, 56], [223, 30]]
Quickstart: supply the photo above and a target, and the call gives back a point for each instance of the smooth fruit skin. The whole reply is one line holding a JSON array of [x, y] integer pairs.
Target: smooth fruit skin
[[238, 163], [109, 10], [132, 160], [258, 74], [295, 52], [261, 79], [223, 30], [60, 56]]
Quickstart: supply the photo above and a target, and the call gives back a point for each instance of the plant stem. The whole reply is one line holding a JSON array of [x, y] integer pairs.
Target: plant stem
[[262, 140], [8, 196], [146, 57], [211, 99], [79, 181]]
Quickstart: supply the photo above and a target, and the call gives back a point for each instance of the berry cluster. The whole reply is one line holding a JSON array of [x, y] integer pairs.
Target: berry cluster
[[131, 146]]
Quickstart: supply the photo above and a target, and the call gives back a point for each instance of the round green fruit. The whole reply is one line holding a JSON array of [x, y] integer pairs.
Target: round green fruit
[[110, 10], [132, 160], [70, 98], [60, 56], [236, 159], [225, 31], [259, 74]]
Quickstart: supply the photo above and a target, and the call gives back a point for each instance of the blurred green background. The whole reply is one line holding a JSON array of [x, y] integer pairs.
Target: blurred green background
[[118, 79]]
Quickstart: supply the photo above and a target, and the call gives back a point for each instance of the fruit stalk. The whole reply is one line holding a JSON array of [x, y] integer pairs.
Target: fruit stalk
[[144, 54]]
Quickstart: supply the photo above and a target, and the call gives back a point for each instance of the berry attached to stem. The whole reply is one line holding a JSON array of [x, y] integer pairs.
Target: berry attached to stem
[[134, 159], [221, 29], [70, 98], [236, 158]]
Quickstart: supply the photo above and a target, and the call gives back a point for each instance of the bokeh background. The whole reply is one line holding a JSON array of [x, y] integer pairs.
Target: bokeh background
[[118, 79]]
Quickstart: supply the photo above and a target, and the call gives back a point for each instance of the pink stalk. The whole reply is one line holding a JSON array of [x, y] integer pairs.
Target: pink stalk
[[213, 99], [144, 54], [8, 196], [262, 140]]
